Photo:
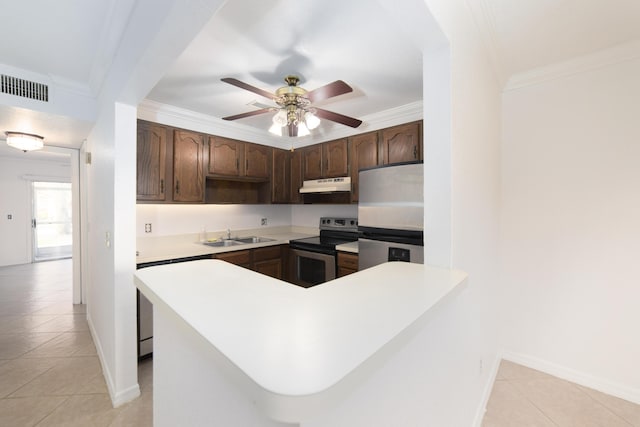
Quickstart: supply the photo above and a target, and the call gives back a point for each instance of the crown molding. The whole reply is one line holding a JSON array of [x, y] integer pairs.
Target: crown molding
[[484, 18], [614, 55], [179, 117]]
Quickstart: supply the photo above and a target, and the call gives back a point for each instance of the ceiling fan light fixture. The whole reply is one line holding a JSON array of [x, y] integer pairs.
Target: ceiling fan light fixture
[[303, 130], [24, 141], [280, 118], [311, 120], [276, 129]]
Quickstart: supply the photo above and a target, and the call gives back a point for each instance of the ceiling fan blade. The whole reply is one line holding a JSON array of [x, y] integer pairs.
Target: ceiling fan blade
[[293, 130], [329, 91], [248, 114], [245, 86], [338, 118]]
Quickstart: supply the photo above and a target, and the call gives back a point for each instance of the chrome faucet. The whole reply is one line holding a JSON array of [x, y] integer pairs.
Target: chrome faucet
[[228, 234]]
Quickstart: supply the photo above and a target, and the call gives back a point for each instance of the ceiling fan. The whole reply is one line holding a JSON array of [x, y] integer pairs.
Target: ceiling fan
[[294, 110]]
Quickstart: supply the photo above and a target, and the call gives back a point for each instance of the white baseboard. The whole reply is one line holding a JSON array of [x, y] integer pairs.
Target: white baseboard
[[608, 387], [117, 397], [486, 393]]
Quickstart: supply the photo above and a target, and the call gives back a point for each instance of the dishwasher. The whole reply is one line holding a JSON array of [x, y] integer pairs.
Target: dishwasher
[[145, 309]]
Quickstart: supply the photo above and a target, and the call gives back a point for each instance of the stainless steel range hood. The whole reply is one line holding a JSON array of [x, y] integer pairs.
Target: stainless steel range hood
[[328, 185]]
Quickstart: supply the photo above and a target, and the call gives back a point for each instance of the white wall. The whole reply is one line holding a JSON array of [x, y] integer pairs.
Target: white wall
[[474, 197], [174, 219], [571, 228], [462, 194], [185, 219], [15, 200], [156, 33]]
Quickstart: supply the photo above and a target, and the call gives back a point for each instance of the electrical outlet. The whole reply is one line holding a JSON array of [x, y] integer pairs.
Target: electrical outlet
[[263, 221], [147, 227]]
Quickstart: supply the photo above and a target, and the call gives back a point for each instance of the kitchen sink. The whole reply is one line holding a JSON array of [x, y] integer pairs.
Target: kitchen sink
[[238, 241], [222, 243], [253, 239]]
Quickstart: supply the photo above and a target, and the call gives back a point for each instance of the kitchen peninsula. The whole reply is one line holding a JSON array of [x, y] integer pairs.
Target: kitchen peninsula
[[237, 348]]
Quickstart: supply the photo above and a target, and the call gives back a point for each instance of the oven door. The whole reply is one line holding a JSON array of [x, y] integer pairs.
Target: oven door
[[311, 268]]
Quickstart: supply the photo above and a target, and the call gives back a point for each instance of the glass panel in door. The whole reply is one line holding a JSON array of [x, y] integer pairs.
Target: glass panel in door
[[52, 236]]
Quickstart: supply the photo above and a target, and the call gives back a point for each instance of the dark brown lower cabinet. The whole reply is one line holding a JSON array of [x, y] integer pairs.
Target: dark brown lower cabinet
[[347, 263], [241, 258], [267, 260]]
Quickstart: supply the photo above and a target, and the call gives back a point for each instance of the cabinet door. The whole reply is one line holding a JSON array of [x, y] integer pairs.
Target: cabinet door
[[241, 258], [151, 162], [188, 176], [363, 154], [334, 157], [296, 177], [224, 156], [347, 263], [257, 161], [280, 176], [272, 267], [312, 162], [402, 143], [268, 261]]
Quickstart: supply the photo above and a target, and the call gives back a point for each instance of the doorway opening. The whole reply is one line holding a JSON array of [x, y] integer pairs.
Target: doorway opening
[[52, 221]]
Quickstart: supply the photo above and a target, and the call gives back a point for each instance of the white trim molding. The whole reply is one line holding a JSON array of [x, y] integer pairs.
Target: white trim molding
[[581, 378], [179, 117], [616, 54]]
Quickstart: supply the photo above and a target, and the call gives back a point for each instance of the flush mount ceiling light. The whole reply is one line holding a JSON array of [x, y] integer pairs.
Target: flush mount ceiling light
[[24, 141], [294, 110]]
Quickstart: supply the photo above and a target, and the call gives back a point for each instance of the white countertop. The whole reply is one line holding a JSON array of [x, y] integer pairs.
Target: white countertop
[[162, 248], [292, 341]]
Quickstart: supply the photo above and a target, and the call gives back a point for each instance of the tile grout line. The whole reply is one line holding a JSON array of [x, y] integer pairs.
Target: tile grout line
[[544, 414], [615, 413]]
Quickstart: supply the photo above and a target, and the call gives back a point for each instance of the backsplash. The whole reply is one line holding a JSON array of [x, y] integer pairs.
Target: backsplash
[[172, 219]]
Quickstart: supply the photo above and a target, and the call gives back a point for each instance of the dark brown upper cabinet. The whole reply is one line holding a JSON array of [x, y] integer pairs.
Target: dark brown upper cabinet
[[257, 161], [151, 162], [224, 156], [296, 179], [402, 143], [188, 175], [363, 153], [281, 176], [231, 158], [326, 160]]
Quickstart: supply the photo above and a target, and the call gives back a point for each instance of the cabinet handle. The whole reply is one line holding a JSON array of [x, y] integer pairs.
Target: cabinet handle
[[162, 186], [415, 151], [320, 165], [237, 164], [178, 187], [246, 165]]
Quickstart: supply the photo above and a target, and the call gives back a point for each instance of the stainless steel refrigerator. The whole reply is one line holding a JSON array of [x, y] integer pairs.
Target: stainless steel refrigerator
[[390, 214]]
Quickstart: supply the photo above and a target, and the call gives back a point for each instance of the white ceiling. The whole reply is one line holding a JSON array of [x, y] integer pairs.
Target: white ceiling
[[260, 41], [526, 34]]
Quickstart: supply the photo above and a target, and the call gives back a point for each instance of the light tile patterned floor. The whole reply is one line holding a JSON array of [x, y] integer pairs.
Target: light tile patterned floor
[[523, 397], [50, 374]]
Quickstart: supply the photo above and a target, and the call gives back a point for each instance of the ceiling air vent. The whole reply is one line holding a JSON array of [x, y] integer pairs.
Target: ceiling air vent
[[24, 88]]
